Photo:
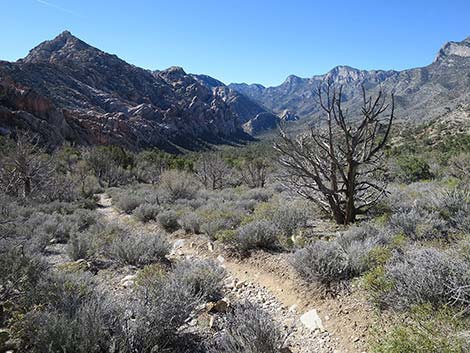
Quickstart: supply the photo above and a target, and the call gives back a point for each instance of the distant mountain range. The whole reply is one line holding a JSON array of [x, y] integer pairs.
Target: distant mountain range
[[422, 93], [67, 90]]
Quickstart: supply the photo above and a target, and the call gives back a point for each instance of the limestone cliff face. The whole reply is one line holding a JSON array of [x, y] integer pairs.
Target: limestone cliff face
[[70, 90]]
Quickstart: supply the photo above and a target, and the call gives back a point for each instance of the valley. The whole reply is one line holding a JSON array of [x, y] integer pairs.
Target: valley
[[160, 211]]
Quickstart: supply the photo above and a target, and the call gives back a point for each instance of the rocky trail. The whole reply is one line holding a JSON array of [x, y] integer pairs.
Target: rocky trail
[[312, 324]]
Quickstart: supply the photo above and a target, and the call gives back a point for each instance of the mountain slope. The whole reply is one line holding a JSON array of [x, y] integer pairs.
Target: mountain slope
[[73, 91], [421, 93], [252, 115]]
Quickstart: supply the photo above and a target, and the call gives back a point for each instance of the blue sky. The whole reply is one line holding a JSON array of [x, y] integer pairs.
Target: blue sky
[[244, 41]]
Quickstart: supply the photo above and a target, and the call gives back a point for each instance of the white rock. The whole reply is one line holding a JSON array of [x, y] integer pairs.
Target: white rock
[[178, 244], [211, 322], [293, 308], [240, 284], [210, 246], [128, 281], [220, 259], [312, 321]]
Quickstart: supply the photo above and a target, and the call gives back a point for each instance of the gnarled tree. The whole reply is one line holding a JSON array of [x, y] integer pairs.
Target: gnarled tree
[[254, 171], [212, 171], [25, 168], [339, 164]]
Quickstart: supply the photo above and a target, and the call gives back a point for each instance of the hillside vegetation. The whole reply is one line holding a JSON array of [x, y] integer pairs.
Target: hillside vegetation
[[107, 250]]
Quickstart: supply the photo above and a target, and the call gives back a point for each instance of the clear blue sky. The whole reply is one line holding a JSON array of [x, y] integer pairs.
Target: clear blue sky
[[241, 40]]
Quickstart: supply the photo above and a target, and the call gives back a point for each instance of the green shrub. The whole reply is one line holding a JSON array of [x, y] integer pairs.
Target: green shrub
[[323, 262], [218, 217], [423, 276], [413, 168], [146, 212], [425, 331], [139, 250], [80, 246], [287, 216], [178, 185], [168, 220], [150, 274], [190, 222], [213, 228], [249, 329], [255, 235], [204, 277], [129, 203]]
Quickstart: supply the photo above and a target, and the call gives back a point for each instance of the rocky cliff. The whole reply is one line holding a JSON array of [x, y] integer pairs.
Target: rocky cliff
[[421, 93], [65, 89]]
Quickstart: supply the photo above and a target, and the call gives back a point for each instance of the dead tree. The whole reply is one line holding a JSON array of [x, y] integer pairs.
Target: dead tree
[[212, 171], [339, 164], [254, 172], [460, 166], [25, 168]]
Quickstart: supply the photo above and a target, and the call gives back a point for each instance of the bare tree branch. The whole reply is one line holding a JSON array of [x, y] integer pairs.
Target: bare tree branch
[[338, 164]]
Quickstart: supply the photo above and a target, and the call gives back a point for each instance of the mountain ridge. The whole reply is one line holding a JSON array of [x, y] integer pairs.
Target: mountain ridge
[[421, 93], [68, 90], [88, 96]]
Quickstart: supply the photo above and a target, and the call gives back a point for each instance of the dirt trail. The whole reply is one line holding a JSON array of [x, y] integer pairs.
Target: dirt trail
[[345, 319], [282, 289]]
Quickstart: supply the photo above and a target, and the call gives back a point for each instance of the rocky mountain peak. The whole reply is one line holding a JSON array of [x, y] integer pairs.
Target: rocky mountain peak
[[293, 79], [175, 70], [461, 49], [79, 93], [175, 75], [208, 81], [64, 46], [343, 74]]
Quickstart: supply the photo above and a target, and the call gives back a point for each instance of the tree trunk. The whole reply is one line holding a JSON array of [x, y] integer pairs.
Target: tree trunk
[[26, 187], [350, 192], [338, 214]]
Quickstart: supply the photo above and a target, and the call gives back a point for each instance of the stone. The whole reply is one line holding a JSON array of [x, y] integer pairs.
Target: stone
[[239, 285], [211, 322], [179, 243], [4, 336], [312, 321], [210, 246], [128, 281], [261, 122], [219, 306], [293, 308]]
